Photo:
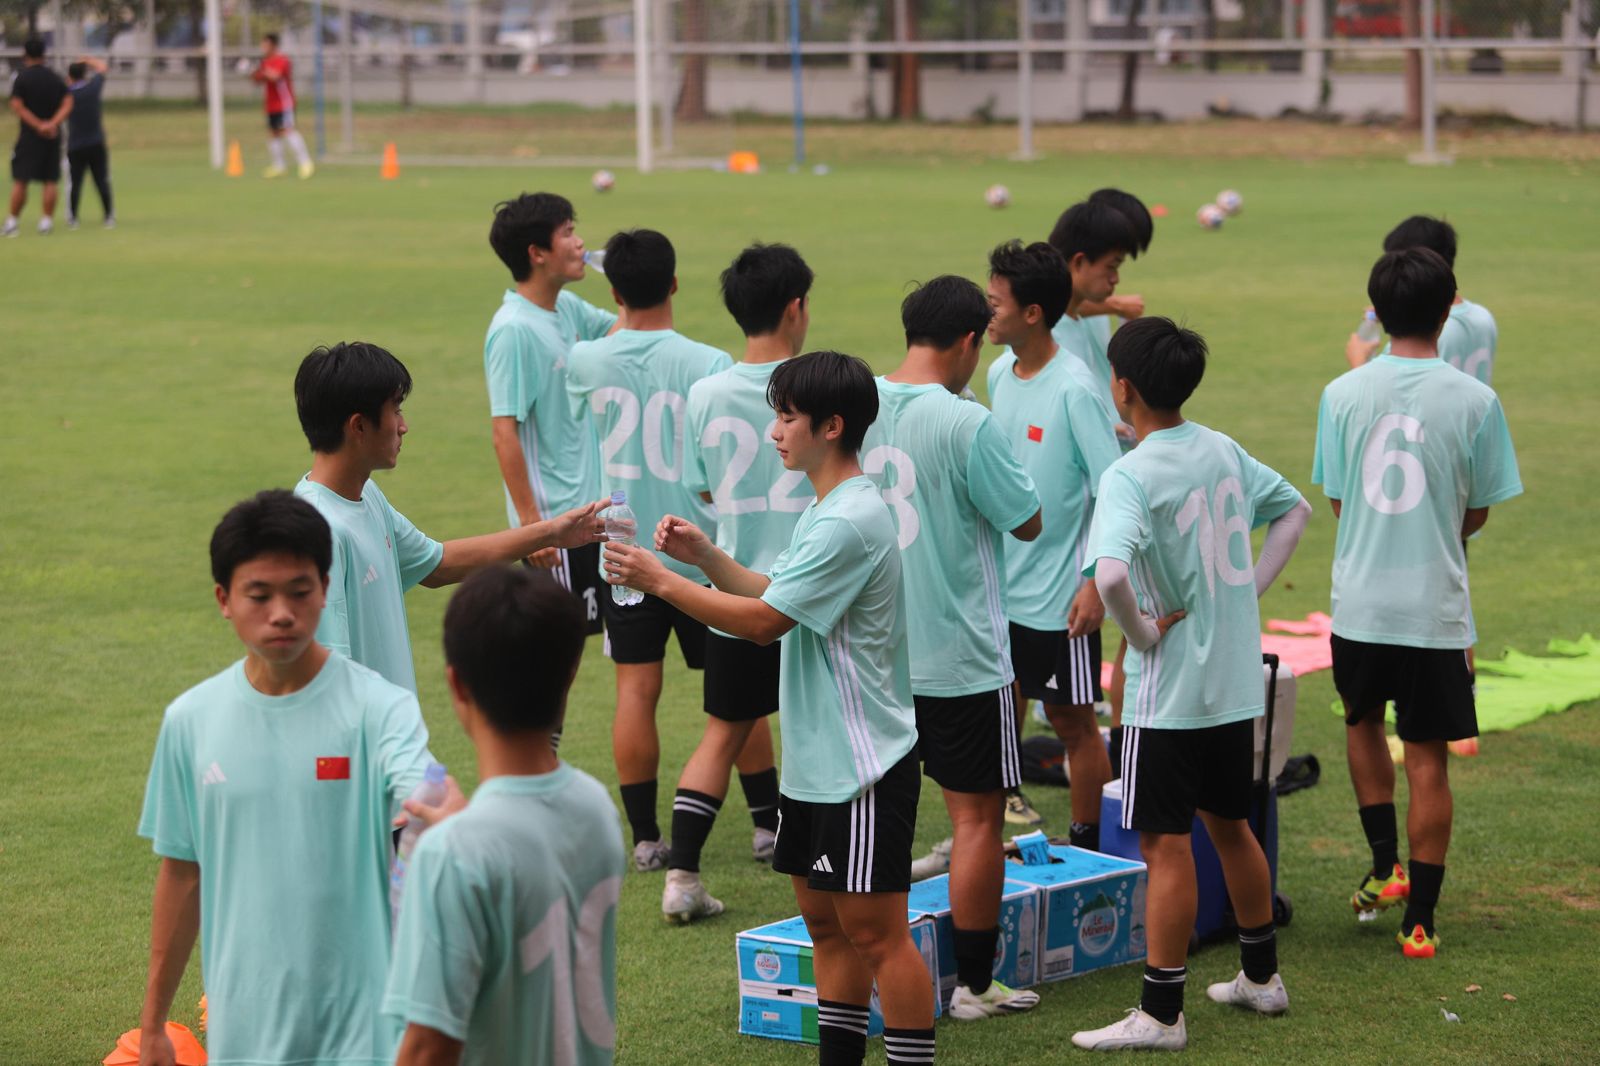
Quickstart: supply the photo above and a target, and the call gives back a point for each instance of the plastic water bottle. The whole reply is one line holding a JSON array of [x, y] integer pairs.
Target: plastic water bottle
[[431, 792], [595, 258], [1370, 331], [621, 527]]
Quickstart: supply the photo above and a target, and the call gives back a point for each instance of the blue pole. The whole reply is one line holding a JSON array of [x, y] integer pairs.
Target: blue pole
[[794, 68], [316, 24]]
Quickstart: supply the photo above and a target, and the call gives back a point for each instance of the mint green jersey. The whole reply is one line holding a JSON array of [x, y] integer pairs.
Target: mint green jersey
[[954, 488], [1408, 446], [378, 556], [507, 938], [285, 804], [1058, 430], [635, 386], [1178, 510], [844, 689], [1090, 339], [525, 362], [1469, 339]]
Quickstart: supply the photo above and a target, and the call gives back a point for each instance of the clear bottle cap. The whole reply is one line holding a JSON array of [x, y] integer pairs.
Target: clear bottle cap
[[618, 498], [434, 774]]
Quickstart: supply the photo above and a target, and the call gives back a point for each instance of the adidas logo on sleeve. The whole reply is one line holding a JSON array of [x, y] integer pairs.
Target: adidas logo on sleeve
[[213, 775]]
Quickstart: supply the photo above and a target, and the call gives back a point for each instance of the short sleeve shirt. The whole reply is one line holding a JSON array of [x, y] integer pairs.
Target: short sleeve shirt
[[84, 128], [1090, 339], [844, 689], [1408, 446], [1469, 339], [285, 803], [508, 927], [378, 555], [1058, 430], [954, 488], [278, 96], [1178, 510], [635, 385], [41, 91]]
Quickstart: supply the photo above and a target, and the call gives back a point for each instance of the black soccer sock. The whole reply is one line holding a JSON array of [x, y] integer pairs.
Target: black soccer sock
[[693, 815], [1426, 880], [1258, 952], [639, 803], [908, 1046], [761, 795], [1163, 992], [974, 950], [841, 1033], [1085, 835], [1115, 747], [1378, 822]]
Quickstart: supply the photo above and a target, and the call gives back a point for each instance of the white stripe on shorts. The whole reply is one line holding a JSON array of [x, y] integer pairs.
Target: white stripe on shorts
[[1010, 757], [1130, 772], [863, 838]]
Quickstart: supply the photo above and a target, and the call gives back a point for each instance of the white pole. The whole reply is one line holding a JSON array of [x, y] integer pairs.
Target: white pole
[[641, 86], [144, 66], [1078, 62], [347, 120], [1429, 103], [1314, 66], [1025, 81], [474, 51], [668, 85], [214, 79]]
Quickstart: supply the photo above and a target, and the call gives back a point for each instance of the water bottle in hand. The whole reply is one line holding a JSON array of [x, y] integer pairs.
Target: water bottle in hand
[[430, 792], [596, 259], [1370, 331], [620, 529]]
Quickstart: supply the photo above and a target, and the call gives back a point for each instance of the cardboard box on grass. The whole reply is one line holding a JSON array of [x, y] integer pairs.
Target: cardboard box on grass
[[778, 988], [1017, 951], [1091, 910]]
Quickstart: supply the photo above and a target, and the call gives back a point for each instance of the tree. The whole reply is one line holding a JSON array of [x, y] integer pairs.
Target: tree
[[692, 89], [906, 80], [1130, 64]]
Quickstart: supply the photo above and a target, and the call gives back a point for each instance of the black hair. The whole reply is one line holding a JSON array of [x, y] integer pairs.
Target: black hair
[[1134, 210], [1424, 231], [274, 521], [760, 282], [943, 311], [347, 379], [822, 384], [1037, 274], [530, 219], [273, 37], [1411, 290], [1161, 359], [514, 636], [76, 71], [640, 265], [33, 48], [1094, 228]]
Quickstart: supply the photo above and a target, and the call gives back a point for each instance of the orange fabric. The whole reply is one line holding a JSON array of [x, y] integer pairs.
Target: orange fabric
[[188, 1049]]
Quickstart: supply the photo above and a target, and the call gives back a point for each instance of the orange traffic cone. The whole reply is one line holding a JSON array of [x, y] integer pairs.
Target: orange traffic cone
[[391, 163], [235, 160]]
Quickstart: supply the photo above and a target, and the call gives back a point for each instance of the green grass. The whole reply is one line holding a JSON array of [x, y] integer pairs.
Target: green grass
[[147, 387]]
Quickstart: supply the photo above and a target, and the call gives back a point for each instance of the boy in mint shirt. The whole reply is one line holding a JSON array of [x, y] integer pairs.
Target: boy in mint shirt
[[548, 460], [506, 949], [269, 801], [634, 385], [1095, 239], [954, 488], [1412, 454], [1170, 552], [849, 789]]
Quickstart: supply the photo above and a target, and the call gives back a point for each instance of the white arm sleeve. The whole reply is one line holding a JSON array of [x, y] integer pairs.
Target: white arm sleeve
[[1282, 536], [1111, 578]]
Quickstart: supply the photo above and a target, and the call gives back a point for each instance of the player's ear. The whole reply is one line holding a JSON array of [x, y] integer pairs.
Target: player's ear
[[833, 428], [674, 290], [615, 296], [222, 601], [355, 427]]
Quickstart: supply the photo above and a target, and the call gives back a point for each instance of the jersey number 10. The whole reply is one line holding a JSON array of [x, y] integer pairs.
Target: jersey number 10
[[577, 990]]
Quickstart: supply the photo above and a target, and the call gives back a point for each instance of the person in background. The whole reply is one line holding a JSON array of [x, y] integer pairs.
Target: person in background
[[40, 100], [86, 139]]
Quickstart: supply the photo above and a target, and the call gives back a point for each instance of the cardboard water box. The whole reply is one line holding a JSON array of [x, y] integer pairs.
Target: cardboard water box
[[778, 988], [1015, 956], [1091, 909]]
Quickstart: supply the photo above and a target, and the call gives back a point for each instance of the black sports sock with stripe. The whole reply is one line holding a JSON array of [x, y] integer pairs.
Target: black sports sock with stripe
[[761, 796], [693, 815], [1258, 952], [841, 1033], [908, 1046], [1163, 992]]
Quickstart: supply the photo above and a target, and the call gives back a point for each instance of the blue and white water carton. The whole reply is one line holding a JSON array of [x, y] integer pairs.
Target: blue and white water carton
[[1091, 909], [778, 988], [1016, 954]]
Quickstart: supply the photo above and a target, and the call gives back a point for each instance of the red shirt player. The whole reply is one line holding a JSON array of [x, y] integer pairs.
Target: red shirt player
[[275, 72]]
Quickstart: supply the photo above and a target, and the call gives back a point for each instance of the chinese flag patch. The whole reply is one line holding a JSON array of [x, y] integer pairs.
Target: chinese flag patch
[[333, 768], [1036, 433]]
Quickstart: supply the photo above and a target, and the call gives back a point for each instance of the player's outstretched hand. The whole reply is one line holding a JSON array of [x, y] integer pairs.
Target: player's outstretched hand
[[545, 558], [682, 540], [1164, 624], [1127, 305], [430, 815], [155, 1048], [1358, 352], [579, 526], [633, 566]]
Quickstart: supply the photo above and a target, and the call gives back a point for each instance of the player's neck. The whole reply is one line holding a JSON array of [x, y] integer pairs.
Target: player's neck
[[648, 319], [834, 471], [1034, 353], [340, 471], [1146, 421], [525, 755], [923, 365], [768, 348], [281, 679], [541, 290], [1460, 299], [1414, 347], [1075, 301]]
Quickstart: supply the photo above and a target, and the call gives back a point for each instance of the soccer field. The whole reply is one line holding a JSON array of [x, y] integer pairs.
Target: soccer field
[[147, 387]]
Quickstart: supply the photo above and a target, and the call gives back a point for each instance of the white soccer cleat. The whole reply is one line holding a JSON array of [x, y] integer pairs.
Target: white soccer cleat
[[10, 228], [1137, 1031], [46, 226], [306, 170], [1270, 998], [684, 899], [763, 844], [651, 855], [934, 863], [992, 1002]]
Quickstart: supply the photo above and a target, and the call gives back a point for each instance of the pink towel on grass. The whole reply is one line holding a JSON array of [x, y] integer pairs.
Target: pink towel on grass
[[1302, 646]]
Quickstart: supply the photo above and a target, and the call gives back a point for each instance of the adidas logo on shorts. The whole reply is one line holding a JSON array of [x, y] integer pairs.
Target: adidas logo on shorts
[[823, 866]]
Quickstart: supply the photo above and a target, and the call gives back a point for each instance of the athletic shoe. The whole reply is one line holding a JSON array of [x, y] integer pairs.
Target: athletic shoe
[[9, 229], [306, 170], [763, 843], [684, 898], [46, 226], [1019, 811], [935, 862], [111, 222], [992, 1002], [274, 171], [1418, 945], [651, 855], [72, 223], [1137, 1030], [1270, 998], [1380, 893]]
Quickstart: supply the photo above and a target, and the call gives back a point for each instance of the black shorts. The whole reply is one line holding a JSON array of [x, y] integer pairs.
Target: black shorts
[[1431, 688], [278, 121], [741, 678], [969, 743], [1169, 774], [1054, 668], [36, 159], [861, 845], [579, 572], [638, 634]]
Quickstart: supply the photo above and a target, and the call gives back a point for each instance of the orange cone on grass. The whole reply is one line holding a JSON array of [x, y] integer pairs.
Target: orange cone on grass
[[235, 160], [391, 163], [186, 1048]]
